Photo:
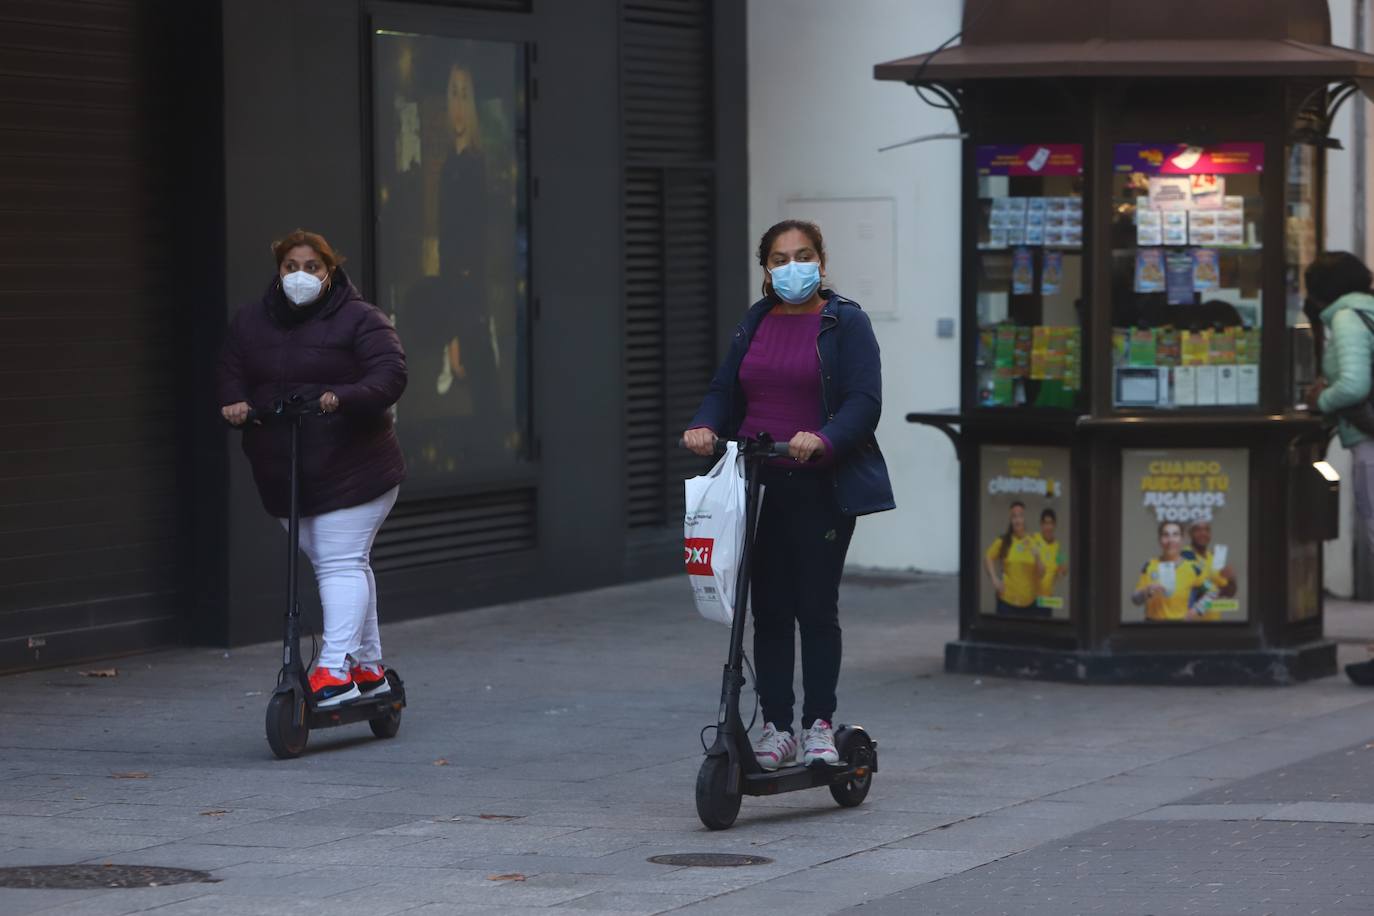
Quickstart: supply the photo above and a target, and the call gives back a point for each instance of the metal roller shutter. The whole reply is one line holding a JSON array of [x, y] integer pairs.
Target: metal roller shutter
[[667, 132], [453, 529], [88, 440]]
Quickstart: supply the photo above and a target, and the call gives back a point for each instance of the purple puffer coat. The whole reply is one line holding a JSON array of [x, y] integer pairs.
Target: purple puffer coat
[[341, 344]]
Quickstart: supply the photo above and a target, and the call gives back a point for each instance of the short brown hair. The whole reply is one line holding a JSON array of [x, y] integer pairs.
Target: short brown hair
[[314, 240]]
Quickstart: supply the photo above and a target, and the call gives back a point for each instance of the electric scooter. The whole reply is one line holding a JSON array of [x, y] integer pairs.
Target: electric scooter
[[730, 771], [290, 712]]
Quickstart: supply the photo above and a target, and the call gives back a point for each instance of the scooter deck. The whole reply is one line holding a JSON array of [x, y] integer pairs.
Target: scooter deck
[[796, 777], [362, 709]]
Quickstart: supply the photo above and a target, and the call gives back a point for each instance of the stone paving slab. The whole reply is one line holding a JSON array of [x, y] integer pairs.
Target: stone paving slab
[[1343, 775], [1210, 853], [1324, 813], [583, 777], [1236, 812], [1134, 868]]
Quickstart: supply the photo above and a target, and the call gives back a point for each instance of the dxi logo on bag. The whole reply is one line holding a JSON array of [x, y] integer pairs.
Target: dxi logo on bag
[[697, 553]]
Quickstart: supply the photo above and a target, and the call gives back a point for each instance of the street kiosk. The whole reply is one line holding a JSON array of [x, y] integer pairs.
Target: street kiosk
[[1143, 494]]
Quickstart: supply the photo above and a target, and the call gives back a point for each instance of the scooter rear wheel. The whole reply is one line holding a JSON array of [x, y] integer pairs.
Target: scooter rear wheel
[[386, 726], [716, 805], [286, 740], [856, 749]]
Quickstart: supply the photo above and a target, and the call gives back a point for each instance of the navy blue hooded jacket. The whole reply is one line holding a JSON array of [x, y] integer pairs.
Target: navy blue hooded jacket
[[851, 399]]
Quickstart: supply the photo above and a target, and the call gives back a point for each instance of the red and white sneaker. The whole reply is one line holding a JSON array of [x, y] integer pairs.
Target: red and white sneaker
[[329, 689], [371, 679]]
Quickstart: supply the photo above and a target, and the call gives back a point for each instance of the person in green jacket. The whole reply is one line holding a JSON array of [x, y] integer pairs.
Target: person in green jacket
[[1338, 283]]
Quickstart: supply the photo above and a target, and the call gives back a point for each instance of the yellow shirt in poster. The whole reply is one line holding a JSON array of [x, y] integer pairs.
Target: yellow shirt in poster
[[1208, 567], [1190, 583], [1018, 570], [1051, 558]]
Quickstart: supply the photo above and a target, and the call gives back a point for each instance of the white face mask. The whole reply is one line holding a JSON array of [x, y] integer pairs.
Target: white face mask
[[301, 288]]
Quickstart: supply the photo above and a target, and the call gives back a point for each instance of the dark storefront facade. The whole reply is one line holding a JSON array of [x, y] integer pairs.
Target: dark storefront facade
[[573, 251]]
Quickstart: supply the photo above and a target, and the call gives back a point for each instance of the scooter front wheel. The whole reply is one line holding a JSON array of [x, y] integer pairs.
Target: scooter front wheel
[[285, 739], [717, 806]]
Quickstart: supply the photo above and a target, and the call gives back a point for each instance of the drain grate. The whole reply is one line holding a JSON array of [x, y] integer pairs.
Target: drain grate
[[79, 877], [709, 860]]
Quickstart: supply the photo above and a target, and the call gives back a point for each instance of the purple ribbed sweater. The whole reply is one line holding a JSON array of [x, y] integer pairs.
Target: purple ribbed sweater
[[781, 378]]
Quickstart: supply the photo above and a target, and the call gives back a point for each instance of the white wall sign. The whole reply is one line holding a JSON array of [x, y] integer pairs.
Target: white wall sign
[[860, 247]]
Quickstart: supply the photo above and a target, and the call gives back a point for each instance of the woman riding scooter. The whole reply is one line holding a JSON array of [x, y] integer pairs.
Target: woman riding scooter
[[313, 336], [804, 368]]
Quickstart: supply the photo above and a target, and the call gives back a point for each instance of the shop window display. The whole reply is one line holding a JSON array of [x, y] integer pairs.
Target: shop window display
[[452, 231], [1187, 261], [1030, 276]]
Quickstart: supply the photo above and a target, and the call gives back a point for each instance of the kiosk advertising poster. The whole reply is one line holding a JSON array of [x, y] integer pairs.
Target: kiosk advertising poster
[[1185, 535], [1024, 531]]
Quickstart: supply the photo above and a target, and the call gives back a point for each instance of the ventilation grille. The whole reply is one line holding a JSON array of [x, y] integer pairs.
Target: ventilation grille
[[669, 230], [666, 68], [453, 529]]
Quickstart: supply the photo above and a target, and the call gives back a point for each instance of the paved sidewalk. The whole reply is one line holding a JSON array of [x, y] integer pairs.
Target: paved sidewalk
[[1299, 839], [557, 741]]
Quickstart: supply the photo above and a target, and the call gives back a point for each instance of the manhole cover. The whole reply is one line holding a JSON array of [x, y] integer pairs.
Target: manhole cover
[[76, 877], [708, 860]]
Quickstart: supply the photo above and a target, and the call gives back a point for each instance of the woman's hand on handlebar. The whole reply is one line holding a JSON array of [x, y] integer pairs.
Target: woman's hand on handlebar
[[235, 414], [806, 446], [701, 440], [329, 402]]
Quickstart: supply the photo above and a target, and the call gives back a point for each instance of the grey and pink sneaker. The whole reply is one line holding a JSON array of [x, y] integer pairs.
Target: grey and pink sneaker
[[775, 748], [818, 744]]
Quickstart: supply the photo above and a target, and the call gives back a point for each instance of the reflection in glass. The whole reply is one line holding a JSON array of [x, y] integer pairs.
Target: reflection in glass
[[452, 246]]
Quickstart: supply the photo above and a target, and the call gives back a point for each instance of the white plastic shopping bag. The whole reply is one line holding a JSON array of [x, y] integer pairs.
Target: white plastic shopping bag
[[713, 535]]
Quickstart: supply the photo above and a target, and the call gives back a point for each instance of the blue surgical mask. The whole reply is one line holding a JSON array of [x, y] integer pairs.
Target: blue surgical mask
[[796, 281]]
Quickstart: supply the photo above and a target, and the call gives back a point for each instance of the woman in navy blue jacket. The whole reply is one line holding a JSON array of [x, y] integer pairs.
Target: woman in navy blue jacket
[[803, 367]]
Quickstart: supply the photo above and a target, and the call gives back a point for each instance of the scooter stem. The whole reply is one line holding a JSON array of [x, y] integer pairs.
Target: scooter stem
[[741, 609], [730, 731], [292, 642]]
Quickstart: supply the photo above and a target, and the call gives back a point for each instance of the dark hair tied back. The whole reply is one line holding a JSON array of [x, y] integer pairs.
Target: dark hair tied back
[[281, 247], [1333, 274]]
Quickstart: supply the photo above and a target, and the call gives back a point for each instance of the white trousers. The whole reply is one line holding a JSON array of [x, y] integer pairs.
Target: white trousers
[[339, 545]]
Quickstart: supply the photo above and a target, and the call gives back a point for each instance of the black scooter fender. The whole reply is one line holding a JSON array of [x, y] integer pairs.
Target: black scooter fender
[[291, 689]]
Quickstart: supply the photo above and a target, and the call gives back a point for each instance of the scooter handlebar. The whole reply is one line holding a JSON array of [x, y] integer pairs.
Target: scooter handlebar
[[750, 448], [281, 409]]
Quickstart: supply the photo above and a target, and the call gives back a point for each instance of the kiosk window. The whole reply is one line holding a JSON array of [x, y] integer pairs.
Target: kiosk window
[[1187, 262], [1030, 276]]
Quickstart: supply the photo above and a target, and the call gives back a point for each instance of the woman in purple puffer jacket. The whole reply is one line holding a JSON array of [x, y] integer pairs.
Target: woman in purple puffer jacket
[[314, 336]]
